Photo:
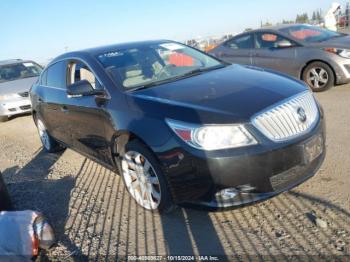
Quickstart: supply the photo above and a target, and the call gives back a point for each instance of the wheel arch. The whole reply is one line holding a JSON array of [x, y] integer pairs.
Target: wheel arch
[[320, 61], [119, 141]]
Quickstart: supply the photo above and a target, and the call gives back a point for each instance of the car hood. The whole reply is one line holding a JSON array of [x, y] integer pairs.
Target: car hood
[[232, 94], [17, 86], [338, 42]]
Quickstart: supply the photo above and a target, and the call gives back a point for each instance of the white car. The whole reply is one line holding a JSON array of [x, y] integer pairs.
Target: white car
[[16, 78]]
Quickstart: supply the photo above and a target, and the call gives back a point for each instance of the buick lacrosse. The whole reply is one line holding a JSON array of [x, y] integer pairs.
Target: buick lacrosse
[[181, 126]]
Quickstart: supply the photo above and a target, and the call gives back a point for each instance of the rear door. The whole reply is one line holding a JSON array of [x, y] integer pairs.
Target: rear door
[[87, 115], [237, 50], [53, 100], [276, 52]]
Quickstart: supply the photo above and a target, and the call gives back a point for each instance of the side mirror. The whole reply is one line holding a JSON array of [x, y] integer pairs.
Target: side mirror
[[284, 44], [83, 88]]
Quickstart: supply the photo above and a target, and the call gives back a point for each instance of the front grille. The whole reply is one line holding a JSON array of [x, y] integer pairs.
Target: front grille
[[25, 107], [286, 178], [289, 119], [24, 94]]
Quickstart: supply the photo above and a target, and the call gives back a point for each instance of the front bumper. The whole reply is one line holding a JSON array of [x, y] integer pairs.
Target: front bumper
[[342, 70], [15, 107], [256, 173]]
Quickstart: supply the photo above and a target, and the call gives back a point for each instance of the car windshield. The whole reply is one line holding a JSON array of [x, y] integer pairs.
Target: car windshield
[[17, 71], [310, 34], [154, 64]]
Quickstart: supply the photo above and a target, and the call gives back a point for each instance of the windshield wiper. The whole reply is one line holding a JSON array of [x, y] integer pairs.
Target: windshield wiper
[[203, 69]]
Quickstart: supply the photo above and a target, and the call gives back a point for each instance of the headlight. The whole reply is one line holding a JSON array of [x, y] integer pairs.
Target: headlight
[[8, 97], [212, 137], [341, 52]]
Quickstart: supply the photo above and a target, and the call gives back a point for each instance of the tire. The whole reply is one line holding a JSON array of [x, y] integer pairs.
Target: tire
[[156, 194], [48, 142], [318, 76], [3, 118]]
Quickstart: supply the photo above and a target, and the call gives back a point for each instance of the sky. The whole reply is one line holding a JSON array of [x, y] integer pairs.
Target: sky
[[42, 29]]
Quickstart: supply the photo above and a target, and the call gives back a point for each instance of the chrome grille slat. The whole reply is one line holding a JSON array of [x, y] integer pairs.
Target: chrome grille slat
[[283, 121]]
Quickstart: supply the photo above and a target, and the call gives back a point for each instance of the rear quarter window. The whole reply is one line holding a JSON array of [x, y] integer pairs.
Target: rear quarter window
[[56, 75], [43, 78], [241, 42]]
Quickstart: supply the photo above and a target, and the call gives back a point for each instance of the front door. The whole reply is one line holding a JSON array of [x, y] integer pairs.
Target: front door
[[87, 115], [275, 52]]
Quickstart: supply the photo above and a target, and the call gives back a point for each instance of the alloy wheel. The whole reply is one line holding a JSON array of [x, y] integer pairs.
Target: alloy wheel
[[141, 180], [44, 136], [317, 77]]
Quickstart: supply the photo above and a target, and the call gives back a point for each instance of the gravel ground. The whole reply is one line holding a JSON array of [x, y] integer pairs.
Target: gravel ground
[[94, 217]]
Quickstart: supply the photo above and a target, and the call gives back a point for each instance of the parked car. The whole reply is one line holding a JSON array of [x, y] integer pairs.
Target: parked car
[[318, 56], [16, 78], [201, 132]]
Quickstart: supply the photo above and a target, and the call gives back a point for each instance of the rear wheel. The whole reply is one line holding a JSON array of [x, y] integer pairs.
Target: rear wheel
[[144, 178], [3, 118], [49, 143], [319, 76]]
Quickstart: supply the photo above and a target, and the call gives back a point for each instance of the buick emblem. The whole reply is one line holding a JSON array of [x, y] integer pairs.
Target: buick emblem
[[301, 114]]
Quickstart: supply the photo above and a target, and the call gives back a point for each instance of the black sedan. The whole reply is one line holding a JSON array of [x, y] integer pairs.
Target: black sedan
[[181, 126]]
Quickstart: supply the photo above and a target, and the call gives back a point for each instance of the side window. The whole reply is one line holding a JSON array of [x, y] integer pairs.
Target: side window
[[241, 42], [270, 40], [43, 78], [56, 75], [78, 71]]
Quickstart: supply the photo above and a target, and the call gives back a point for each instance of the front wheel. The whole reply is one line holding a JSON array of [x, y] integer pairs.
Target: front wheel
[[319, 76], [49, 144], [144, 178]]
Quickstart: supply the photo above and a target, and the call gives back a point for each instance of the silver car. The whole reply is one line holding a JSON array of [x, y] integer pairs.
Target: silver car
[[318, 56], [16, 78]]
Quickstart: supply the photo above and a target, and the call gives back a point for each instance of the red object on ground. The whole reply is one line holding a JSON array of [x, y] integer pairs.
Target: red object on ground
[[181, 60]]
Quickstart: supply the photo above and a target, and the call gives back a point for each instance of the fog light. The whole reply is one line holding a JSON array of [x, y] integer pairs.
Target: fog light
[[227, 193]]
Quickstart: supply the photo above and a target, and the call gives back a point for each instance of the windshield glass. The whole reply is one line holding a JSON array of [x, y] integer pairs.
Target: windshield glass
[[18, 71], [155, 64], [310, 34]]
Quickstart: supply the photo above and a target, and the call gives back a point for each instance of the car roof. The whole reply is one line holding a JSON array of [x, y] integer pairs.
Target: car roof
[[108, 48], [277, 27], [10, 61]]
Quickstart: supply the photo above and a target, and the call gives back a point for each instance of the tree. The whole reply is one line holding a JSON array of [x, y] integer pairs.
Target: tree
[[319, 15], [314, 17], [287, 22], [302, 19]]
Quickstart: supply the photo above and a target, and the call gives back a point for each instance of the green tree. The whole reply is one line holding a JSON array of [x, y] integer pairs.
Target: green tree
[[319, 15], [302, 19]]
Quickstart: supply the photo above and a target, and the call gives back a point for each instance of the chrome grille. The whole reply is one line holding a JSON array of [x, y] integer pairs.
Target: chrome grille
[[289, 119]]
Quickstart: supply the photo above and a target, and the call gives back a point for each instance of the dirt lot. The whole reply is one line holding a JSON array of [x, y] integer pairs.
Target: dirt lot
[[93, 216]]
